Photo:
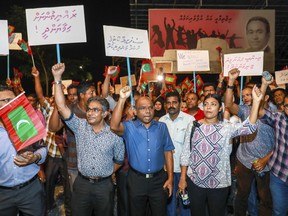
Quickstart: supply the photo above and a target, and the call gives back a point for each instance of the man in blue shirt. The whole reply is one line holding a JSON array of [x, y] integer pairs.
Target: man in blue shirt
[[20, 189], [149, 148]]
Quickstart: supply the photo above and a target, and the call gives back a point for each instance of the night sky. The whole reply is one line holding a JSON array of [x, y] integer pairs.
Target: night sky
[[108, 12]]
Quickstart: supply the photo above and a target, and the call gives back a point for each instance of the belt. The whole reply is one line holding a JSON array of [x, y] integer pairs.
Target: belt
[[17, 187], [93, 179], [148, 175]]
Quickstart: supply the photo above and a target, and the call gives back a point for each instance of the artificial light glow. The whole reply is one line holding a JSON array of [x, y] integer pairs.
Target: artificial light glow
[[160, 77]]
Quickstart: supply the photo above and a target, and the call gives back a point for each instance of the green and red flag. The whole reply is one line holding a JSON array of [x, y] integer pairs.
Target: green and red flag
[[143, 86], [25, 46], [22, 122], [147, 67], [199, 82], [113, 76], [17, 77], [170, 79], [11, 29], [178, 89], [187, 83]]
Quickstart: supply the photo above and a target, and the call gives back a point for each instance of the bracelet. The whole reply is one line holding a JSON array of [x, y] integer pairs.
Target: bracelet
[[39, 157], [230, 87], [58, 82]]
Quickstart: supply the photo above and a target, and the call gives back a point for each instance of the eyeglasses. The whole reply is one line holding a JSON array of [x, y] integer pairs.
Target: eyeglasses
[[94, 110], [6, 100], [149, 108], [286, 106]]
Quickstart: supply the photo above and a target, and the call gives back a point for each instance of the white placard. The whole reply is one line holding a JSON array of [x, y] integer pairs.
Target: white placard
[[13, 39], [4, 44], [56, 25], [126, 42], [192, 60], [281, 77], [249, 63]]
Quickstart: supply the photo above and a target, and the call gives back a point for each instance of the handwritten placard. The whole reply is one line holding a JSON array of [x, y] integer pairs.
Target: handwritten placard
[[13, 39], [126, 42], [124, 80], [249, 63], [4, 45], [191, 60], [281, 77], [56, 25]]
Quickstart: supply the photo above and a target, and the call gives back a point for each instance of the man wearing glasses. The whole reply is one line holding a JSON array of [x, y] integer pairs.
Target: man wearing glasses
[[100, 152], [20, 188]]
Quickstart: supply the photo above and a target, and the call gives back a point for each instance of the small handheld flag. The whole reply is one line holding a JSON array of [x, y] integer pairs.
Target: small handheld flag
[[26, 48], [22, 122]]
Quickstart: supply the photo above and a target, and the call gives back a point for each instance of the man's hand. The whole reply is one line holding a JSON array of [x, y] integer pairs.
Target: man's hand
[[267, 83], [256, 94], [233, 75], [58, 70], [125, 92], [35, 72], [111, 70], [25, 158], [168, 186], [182, 185]]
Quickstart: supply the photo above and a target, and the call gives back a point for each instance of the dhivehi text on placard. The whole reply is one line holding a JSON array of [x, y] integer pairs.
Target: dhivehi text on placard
[[249, 63], [56, 25], [126, 42]]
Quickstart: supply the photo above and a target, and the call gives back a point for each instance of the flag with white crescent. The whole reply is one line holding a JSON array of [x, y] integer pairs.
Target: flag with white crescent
[[22, 122]]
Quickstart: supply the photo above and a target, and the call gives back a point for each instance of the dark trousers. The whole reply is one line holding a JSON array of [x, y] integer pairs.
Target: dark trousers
[[214, 199], [30, 200], [147, 191], [122, 193], [54, 167], [245, 177], [95, 197]]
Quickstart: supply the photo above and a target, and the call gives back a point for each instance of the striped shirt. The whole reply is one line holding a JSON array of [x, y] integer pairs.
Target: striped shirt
[[278, 162]]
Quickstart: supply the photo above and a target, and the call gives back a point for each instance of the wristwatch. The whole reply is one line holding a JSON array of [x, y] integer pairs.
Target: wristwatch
[[58, 82], [39, 157], [230, 87]]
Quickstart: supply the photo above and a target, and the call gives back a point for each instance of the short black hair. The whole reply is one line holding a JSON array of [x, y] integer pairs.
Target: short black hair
[[174, 94], [261, 19]]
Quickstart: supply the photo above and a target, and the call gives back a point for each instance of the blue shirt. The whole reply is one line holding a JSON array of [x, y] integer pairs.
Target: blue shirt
[[256, 145], [11, 174], [146, 146]]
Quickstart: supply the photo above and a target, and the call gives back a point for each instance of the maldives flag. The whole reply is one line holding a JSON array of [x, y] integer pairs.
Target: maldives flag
[[187, 83], [25, 46], [10, 30], [22, 122], [199, 82], [143, 86], [170, 79], [113, 76]]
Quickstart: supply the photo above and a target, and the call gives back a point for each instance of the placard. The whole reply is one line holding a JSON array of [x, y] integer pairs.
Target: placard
[[193, 60], [124, 80], [163, 67], [56, 25], [65, 84], [281, 77], [249, 63], [126, 42], [4, 45], [13, 39]]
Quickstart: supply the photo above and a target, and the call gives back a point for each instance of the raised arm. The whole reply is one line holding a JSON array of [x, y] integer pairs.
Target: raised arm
[[232, 107], [257, 97], [55, 123], [106, 83], [115, 122], [264, 86], [57, 71], [38, 88]]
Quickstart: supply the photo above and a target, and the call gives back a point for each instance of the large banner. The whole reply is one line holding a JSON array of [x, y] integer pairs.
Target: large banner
[[243, 31]]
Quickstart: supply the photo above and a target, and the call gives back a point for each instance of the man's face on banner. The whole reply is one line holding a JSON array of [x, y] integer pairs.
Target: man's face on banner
[[257, 36]]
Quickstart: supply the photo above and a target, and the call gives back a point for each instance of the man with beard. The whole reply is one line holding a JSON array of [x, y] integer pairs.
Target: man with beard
[[149, 147], [177, 122]]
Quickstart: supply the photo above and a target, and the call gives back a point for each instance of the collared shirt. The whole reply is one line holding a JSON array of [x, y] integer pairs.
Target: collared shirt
[[49, 140], [209, 158], [11, 174], [256, 145], [146, 146], [278, 162], [96, 152], [177, 129]]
